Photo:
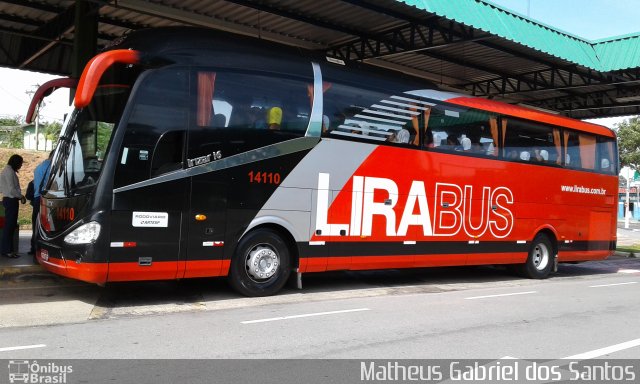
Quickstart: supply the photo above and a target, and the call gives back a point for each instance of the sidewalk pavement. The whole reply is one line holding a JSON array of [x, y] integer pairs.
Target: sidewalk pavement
[[25, 263]]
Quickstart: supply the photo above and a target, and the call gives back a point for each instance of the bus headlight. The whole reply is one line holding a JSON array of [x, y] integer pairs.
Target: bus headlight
[[84, 234]]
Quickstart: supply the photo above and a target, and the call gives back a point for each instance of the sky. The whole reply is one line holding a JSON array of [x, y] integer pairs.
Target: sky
[[590, 19]]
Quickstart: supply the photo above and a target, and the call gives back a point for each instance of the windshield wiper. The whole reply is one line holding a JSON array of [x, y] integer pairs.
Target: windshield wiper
[[73, 164], [64, 148]]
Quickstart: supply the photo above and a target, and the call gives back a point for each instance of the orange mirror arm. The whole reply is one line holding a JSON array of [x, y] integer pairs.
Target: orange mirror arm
[[94, 70], [45, 90]]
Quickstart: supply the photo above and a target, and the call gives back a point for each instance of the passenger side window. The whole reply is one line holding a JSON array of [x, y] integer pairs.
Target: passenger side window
[[530, 142], [360, 113], [238, 112], [457, 129], [153, 142], [580, 150], [607, 160]]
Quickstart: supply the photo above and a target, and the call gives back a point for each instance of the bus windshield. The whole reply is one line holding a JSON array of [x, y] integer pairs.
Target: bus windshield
[[82, 148]]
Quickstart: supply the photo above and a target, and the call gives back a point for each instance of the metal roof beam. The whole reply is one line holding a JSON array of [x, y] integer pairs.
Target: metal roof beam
[[542, 80], [37, 6], [595, 102], [386, 11], [404, 39], [197, 19], [6, 53], [606, 77], [22, 33], [20, 20], [594, 75], [262, 6], [53, 31], [120, 23]]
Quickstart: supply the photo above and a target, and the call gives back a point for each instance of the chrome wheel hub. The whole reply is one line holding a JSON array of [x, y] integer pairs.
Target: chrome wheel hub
[[262, 262], [540, 256]]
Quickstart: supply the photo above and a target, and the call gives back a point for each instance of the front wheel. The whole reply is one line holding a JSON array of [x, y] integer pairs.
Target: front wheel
[[261, 264], [541, 258]]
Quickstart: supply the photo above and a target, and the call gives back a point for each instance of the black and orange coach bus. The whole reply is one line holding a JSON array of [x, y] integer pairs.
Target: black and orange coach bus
[[191, 153]]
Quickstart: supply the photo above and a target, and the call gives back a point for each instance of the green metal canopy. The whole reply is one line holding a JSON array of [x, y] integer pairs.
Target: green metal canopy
[[605, 55]]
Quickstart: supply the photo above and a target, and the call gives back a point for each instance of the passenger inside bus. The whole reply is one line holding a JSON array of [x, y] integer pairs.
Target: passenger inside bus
[[326, 124], [219, 120], [452, 143], [400, 136], [541, 155], [274, 118], [476, 147], [428, 141], [466, 144], [257, 118]]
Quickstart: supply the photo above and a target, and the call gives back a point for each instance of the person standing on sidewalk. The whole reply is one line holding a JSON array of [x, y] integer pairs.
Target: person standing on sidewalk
[[11, 194], [40, 176]]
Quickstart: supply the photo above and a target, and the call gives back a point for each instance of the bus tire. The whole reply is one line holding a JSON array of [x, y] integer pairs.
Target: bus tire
[[539, 263], [261, 264]]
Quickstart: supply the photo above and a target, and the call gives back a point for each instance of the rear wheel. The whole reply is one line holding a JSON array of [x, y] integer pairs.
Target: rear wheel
[[541, 258], [260, 265]]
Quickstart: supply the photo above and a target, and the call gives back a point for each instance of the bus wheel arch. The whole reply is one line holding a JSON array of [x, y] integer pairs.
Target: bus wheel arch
[[262, 261]]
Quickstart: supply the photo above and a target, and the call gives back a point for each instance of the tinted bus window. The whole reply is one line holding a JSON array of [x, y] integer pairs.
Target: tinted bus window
[[354, 112], [607, 160], [530, 142], [468, 131], [153, 142], [580, 150], [237, 112]]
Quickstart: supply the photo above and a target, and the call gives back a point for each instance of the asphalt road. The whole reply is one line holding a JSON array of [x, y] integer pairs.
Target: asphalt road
[[432, 313]]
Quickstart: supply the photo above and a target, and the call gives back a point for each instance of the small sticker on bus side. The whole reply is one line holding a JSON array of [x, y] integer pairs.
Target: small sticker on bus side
[[150, 219]]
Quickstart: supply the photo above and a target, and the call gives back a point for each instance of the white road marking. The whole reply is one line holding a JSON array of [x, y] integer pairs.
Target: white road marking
[[19, 347], [304, 315], [501, 295], [612, 285], [628, 271], [604, 351]]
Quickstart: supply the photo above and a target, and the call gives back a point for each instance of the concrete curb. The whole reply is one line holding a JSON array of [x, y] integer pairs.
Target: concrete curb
[[13, 270], [628, 255]]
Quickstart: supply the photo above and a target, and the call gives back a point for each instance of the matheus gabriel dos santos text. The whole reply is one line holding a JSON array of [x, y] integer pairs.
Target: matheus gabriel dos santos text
[[501, 371]]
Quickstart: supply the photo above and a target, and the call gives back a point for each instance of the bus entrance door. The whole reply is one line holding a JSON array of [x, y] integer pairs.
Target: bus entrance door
[[146, 227], [206, 233]]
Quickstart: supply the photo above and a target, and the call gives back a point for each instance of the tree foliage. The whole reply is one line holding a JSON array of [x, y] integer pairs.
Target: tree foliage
[[629, 142], [11, 138], [52, 132]]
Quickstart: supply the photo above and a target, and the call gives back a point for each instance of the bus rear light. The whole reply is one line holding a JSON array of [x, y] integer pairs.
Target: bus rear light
[[96, 68], [84, 234]]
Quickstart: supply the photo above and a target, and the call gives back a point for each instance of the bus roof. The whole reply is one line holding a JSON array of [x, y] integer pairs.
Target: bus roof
[[178, 44], [531, 114]]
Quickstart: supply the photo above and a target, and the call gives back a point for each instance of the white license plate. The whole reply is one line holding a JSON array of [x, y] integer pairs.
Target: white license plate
[[44, 254]]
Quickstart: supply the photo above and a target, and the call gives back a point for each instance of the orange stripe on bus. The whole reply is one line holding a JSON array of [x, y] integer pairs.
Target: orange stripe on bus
[[90, 272]]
